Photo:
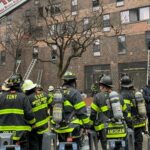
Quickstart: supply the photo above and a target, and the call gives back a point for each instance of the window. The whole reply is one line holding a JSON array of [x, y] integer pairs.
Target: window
[[144, 13], [95, 4], [55, 9], [96, 47], [2, 57], [134, 15], [106, 22], [122, 44], [125, 17], [74, 7], [85, 24], [147, 40], [119, 2]]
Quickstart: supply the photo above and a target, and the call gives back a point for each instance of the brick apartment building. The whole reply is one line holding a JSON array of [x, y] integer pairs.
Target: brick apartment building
[[114, 54]]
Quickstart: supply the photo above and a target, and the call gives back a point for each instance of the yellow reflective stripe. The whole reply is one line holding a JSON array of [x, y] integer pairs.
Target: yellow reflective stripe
[[39, 107], [40, 123], [43, 131], [126, 101], [91, 122], [95, 107], [16, 138], [115, 125], [116, 135], [139, 125], [15, 128], [124, 107], [11, 111], [67, 103], [32, 121], [65, 130], [99, 127], [104, 108], [79, 105], [129, 114], [85, 121], [52, 121], [50, 100], [77, 121]]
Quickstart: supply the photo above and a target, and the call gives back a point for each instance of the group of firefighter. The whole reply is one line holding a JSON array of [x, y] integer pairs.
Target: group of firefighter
[[27, 111]]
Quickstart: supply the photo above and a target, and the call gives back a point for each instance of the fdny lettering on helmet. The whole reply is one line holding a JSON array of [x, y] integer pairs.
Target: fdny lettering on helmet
[[11, 96], [116, 131]]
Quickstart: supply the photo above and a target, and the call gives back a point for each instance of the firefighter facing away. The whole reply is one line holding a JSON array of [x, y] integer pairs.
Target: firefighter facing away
[[136, 111], [39, 102], [106, 111], [72, 113], [16, 113]]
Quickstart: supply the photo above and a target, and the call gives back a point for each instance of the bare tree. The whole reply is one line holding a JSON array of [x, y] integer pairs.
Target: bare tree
[[14, 39], [69, 36]]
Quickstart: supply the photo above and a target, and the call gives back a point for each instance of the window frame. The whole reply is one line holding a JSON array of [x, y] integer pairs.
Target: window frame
[[106, 21], [96, 46], [123, 48]]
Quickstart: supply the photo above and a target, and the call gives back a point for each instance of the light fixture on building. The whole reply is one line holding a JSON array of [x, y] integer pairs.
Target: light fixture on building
[[36, 2], [35, 52]]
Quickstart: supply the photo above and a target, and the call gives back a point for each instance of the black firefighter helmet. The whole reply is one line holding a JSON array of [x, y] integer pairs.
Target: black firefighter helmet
[[126, 81], [106, 81], [69, 76], [14, 81]]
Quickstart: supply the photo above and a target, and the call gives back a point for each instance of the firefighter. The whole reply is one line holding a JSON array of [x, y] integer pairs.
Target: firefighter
[[103, 115], [146, 94], [74, 114], [16, 113], [134, 120], [39, 103]]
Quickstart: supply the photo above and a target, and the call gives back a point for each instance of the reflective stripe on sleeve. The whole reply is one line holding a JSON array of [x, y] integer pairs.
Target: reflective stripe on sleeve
[[67, 103], [86, 120], [40, 123], [79, 105], [99, 127], [32, 121], [126, 101], [104, 108], [95, 107]]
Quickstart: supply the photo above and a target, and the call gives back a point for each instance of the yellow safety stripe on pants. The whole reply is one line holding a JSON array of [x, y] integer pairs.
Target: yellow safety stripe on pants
[[116, 135], [16, 138], [11, 111], [32, 121], [99, 127], [139, 125], [104, 108], [86, 120], [42, 122], [15, 128], [79, 105], [126, 101], [43, 131], [67, 103], [95, 107], [64, 131], [39, 107]]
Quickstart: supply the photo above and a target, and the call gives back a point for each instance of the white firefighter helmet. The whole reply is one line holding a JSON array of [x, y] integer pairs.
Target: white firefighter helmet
[[28, 85], [50, 88]]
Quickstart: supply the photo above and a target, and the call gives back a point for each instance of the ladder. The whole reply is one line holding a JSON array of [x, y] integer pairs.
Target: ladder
[[39, 77], [30, 68], [18, 65], [148, 67]]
